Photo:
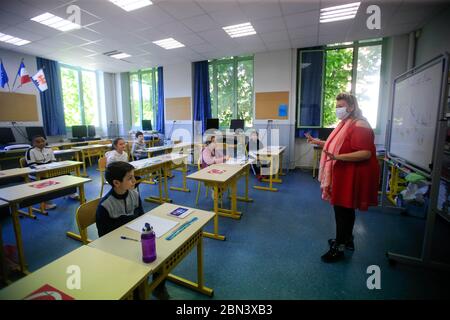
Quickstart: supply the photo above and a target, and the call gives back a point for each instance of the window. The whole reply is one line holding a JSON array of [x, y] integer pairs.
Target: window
[[79, 88], [144, 96], [351, 67], [231, 89]]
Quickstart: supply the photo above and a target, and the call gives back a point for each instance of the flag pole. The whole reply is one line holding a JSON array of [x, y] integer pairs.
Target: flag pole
[[17, 73]]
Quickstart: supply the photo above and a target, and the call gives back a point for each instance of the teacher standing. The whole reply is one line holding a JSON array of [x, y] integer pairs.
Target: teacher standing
[[348, 173]]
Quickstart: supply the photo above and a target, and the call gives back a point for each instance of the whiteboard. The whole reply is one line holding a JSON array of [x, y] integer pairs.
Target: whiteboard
[[415, 114]]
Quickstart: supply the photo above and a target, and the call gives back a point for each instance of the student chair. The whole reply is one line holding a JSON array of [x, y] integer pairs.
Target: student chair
[[102, 168], [85, 217]]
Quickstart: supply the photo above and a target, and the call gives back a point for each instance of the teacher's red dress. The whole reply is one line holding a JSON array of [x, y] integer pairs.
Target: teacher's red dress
[[355, 184]]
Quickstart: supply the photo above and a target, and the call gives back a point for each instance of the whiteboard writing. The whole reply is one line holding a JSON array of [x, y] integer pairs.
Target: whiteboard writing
[[415, 116]]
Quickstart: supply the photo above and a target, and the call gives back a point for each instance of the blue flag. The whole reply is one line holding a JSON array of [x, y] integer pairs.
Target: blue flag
[[3, 76]]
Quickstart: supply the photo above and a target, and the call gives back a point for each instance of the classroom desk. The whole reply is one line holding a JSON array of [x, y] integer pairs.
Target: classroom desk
[[221, 176], [169, 252], [15, 154], [17, 194], [272, 153], [161, 164], [87, 151], [45, 171], [103, 277], [69, 144]]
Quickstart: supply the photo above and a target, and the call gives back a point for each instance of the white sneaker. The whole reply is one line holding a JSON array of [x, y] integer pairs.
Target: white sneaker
[[74, 196]]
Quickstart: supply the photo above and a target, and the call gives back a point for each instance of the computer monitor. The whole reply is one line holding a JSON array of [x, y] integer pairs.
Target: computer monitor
[[6, 136], [79, 131], [212, 123], [91, 131], [237, 124], [35, 131], [147, 125], [324, 133]]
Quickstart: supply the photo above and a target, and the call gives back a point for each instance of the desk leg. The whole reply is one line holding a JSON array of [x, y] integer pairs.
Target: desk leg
[[215, 235], [162, 198], [71, 234], [270, 180], [233, 213], [200, 285], [184, 188], [246, 198], [83, 157], [281, 165], [277, 174], [19, 243]]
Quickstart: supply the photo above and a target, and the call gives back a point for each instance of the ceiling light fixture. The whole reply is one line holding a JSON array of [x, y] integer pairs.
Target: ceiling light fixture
[[13, 40], [240, 30], [338, 13], [55, 22], [130, 5], [169, 43]]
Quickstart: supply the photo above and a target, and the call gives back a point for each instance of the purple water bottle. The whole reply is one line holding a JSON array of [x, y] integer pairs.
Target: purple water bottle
[[148, 241]]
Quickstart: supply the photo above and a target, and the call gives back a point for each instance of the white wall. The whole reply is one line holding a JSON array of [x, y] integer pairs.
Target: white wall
[[434, 38], [178, 83], [275, 71], [11, 62]]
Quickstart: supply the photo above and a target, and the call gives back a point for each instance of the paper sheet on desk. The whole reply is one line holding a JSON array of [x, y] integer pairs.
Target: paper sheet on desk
[[160, 225]]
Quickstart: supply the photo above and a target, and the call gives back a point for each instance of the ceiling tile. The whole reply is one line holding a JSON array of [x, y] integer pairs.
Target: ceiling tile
[[20, 9], [86, 33], [260, 10], [203, 48], [46, 5], [304, 42], [191, 39], [269, 25], [10, 18], [336, 27], [274, 36], [217, 5], [152, 16], [296, 6], [100, 9], [299, 20], [23, 34], [200, 23], [308, 31], [181, 9], [228, 17], [173, 29], [39, 29]]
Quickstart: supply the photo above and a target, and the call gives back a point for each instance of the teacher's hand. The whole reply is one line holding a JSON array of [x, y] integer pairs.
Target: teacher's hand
[[311, 140], [330, 155]]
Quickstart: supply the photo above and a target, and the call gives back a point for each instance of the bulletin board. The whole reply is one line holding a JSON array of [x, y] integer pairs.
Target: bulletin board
[[178, 108], [18, 107], [267, 105]]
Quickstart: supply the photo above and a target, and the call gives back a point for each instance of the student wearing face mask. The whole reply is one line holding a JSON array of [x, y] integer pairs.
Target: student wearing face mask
[[348, 173], [211, 154]]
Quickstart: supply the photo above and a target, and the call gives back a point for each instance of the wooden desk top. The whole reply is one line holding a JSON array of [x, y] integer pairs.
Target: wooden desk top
[[91, 146], [103, 276], [272, 150], [132, 250], [14, 172], [23, 191], [55, 165], [3, 204], [63, 151], [157, 161], [216, 173], [168, 147]]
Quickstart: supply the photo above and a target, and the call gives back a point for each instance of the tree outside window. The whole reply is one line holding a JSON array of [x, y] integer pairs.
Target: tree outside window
[[144, 96], [231, 90], [79, 89]]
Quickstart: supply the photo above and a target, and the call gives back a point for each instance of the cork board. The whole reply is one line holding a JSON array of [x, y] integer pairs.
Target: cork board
[[18, 107], [178, 108], [267, 104]]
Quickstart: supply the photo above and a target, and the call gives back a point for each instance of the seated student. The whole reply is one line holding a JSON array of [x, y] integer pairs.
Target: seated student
[[253, 145], [138, 149], [118, 153], [211, 154], [40, 154], [121, 205]]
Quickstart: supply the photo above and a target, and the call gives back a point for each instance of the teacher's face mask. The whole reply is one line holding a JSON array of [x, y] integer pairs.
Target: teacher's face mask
[[342, 113]]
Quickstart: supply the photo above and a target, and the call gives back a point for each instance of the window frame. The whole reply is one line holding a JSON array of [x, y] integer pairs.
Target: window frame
[[153, 95], [79, 71], [355, 46], [215, 96]]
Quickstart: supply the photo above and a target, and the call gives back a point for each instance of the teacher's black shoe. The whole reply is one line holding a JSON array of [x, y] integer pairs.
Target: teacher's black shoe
[[333, 255], [349, 245]]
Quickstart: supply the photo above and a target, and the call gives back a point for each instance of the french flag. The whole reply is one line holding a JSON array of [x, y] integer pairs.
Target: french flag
[[23, 74]]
